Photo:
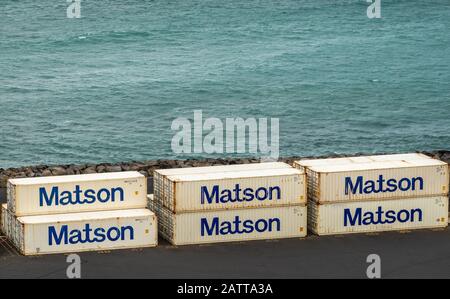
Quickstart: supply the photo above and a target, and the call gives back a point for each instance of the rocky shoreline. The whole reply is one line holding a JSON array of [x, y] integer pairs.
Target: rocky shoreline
[[147, 167]]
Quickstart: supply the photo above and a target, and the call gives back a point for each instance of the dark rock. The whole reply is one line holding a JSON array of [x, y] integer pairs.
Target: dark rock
[[136, 166], [58, 171], [101, 168], [29, 172], [89, 170], [125, 167], [446, 157], [46, 172], [3, 181], [151, 163], [76, 169], [113, 168]]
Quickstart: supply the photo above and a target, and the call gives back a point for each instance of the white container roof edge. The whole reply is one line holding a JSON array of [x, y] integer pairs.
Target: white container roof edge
[[236, 175], [77, 178], [222, 168], [320, 165]]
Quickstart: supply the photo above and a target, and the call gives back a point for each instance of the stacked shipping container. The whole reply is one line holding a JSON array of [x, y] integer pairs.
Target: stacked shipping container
[[226, 203], [230, 203], [79, 213], [376, 193]]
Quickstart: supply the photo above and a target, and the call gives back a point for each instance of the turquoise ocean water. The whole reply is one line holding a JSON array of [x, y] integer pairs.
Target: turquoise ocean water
[[106, 87]]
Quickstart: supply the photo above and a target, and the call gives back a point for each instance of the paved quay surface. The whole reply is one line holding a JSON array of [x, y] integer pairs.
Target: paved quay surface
[[414, 254]]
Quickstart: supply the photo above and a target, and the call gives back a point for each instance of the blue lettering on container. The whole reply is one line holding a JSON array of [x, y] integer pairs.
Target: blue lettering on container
[[66, 236], [216, 195], [358, 218], [238, 226], [362, 186], [78, 196]]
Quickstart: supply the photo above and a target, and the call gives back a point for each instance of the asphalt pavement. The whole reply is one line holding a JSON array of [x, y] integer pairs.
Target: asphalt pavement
[[414, 254]]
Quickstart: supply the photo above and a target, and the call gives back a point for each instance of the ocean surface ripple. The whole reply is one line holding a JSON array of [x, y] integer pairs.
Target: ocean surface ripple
[[106, 87]]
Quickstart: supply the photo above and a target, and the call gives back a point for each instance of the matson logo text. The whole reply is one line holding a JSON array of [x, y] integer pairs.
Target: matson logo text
[[78, 196], [238, 226], [238, 194], [381, 216], [88, 234], [362, 186]]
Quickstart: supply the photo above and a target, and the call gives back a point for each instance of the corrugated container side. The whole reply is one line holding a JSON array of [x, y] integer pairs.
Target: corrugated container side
[[158, 186], [166, 223], [350, 186], [7, 222], [77, 196], [232, 225], [4, 224], [11, 224], [370, 216], [17, 233], [13, 229], [133, 228], [217, 194]]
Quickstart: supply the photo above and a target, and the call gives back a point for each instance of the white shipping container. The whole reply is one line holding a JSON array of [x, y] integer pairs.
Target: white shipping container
[[77, 193], [231, 225], [377, 216], [89, 231], [162, 184], [231, 189], [374, 177]]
